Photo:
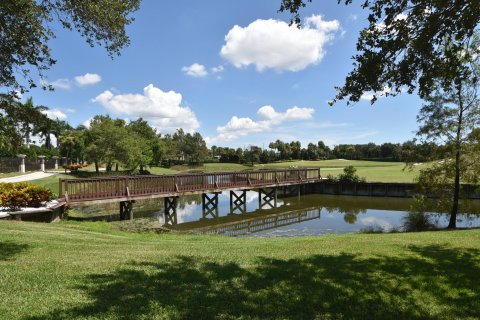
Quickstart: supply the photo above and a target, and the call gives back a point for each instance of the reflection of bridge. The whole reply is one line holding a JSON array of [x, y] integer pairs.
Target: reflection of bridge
[[240, 224], [125, 190]]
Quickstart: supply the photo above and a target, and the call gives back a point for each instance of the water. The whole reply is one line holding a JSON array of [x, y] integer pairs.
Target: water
[[306, 215]]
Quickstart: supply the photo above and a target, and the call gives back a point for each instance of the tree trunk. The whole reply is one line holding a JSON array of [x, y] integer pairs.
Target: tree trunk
[[456, 193], [458, 145], [97, 169], [116, 167]]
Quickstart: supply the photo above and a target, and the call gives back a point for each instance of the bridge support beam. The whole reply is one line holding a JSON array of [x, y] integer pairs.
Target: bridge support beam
[[269, 198], [126, 210], [238, 201], [294, 190], [210, 205], [170, 210]]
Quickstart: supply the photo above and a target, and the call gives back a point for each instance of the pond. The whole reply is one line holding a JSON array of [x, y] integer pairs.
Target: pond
[[304, 215]]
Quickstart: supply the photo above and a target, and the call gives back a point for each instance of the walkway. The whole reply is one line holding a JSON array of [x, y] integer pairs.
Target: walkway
[[28, 177]]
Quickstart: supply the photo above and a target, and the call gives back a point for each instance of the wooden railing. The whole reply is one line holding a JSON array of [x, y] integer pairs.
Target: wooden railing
[[130, 186]]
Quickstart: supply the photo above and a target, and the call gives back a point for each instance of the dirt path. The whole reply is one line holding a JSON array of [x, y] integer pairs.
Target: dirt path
[[28, 177]]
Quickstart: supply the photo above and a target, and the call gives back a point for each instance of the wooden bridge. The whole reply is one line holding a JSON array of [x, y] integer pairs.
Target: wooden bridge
[[127, 189]]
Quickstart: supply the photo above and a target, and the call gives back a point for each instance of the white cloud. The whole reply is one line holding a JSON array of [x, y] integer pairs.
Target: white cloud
[[54, 114], [87, 122], [88, 79], [269, 117], [195, 70], [274, 44], [380, 94], [70, 110], [162, 109], [217, 69], [62, 83]]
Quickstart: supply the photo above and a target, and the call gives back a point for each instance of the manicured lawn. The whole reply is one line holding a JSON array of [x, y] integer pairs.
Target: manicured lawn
[[80, 271], [52, 181], [373, 171]]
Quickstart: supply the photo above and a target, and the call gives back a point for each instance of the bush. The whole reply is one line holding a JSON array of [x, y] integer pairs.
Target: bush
[[350, 175], [22, 194]]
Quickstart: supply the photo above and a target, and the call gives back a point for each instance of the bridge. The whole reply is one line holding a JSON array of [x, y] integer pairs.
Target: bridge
[[127, 189]]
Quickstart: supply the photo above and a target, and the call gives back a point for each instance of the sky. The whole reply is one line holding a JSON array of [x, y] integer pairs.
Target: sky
[[232, 70]]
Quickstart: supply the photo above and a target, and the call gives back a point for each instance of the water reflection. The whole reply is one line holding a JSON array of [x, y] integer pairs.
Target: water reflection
[[291, 216]]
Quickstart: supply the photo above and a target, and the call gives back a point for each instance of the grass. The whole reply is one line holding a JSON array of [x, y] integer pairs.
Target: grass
[[47, 272], [51, 182]]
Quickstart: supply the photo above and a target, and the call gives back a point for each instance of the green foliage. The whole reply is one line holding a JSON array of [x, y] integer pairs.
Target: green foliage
[[350, 175], [28, 25], [22, 194], [408, 45]]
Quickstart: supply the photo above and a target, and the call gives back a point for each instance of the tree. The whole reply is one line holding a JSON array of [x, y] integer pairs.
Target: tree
[[403, 47], [452, 118], [26, 26]]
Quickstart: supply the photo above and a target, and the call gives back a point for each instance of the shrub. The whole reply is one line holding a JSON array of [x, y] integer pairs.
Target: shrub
[[22, 194], [350, 175]]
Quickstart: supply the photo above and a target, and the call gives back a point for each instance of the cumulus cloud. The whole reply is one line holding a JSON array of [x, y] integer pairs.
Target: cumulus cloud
[[88, 79], [276, 45], [195, 70], [269, 117], [162, 109], [54, 114]]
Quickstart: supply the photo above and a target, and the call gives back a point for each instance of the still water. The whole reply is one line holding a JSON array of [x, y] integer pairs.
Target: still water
[[293, 216]]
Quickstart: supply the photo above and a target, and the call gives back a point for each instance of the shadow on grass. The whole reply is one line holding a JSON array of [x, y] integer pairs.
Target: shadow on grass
[[429, 282], [9, 249]]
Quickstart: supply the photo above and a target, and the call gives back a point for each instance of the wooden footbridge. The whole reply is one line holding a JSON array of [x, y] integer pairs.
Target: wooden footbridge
[[127, 189]]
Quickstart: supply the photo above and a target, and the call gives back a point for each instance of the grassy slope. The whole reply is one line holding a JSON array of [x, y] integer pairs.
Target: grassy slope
[[66, 271]]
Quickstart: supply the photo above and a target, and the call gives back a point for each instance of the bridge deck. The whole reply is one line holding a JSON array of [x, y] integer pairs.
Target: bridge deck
[[125, 188]]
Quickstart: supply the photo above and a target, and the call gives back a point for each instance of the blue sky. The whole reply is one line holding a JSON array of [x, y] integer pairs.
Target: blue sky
[[231, 70]]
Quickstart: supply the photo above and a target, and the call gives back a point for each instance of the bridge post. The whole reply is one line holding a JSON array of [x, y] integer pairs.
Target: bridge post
[[269, 198], [210, 205], [170, 210], [126, 210], [238, 202]]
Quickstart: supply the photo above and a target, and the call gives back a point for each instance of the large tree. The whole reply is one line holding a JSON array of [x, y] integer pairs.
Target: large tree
[[408, 45], [26, 26], [451, 118]]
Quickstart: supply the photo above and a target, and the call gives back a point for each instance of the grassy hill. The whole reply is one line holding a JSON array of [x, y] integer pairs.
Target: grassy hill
[[89, 271]]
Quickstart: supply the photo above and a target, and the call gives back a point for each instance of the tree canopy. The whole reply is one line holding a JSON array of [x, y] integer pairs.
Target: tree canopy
[[26, 26], [408, 45]]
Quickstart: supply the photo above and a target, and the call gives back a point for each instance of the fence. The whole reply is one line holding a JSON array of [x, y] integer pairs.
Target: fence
[[12, 164], [9, 164]]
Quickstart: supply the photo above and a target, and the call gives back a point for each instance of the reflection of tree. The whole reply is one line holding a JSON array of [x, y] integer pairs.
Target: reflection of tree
[[417, 221], [349, 213], [350, 217]]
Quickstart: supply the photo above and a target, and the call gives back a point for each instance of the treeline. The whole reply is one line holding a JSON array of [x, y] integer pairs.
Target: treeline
[[135, 145], [114, 143], [409, 151]]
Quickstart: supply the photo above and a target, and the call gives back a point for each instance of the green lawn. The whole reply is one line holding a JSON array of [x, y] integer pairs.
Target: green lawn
[[87, 271], [51, 182]]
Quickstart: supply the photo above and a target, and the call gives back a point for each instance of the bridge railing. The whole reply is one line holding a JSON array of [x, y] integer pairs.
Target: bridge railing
[[128, 186]]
